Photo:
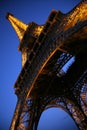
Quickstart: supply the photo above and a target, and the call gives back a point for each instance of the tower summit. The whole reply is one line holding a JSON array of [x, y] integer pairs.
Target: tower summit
[[18, 25], [27, 34]]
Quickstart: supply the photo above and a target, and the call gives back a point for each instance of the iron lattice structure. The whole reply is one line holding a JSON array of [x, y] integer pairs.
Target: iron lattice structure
[[44, 80]]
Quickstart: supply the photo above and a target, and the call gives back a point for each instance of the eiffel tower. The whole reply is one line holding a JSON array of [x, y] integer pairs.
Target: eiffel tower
[[54, 67]]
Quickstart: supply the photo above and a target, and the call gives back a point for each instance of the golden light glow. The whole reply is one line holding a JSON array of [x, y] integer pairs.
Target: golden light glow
[[19, 26], [78, 15], [38, 30]]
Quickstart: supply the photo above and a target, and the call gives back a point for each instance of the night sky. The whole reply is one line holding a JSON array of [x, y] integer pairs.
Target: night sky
[[10, 58]]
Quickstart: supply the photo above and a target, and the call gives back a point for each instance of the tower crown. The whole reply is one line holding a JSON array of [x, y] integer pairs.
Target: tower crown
[[27, 34], [18, 25]]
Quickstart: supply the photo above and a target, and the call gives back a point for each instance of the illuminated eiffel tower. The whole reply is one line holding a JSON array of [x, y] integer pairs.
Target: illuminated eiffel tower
[[54, 68]]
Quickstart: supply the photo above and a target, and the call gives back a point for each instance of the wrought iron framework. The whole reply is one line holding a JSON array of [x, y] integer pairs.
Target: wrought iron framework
[[42, 82]]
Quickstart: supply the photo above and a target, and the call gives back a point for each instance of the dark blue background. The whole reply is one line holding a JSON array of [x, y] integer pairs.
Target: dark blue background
[[10, 58]]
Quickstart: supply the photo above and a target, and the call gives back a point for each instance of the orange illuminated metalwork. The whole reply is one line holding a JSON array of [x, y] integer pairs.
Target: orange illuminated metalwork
[[43, 83], [18, 26]]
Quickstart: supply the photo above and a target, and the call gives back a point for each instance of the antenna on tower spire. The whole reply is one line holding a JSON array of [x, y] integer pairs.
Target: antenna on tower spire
[[18, 25]]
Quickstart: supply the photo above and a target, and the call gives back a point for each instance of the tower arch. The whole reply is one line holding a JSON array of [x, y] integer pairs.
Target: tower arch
[[55, 118]]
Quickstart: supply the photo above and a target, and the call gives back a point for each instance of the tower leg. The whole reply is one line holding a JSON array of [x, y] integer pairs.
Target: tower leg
[[29, 116]]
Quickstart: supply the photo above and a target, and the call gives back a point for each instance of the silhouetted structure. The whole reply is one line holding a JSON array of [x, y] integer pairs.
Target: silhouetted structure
[[54, 72]]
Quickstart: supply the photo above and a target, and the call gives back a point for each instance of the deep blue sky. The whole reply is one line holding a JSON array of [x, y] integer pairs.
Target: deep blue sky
[[10, 58]]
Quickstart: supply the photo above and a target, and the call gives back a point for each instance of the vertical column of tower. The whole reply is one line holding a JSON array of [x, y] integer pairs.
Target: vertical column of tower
[[27, 35]]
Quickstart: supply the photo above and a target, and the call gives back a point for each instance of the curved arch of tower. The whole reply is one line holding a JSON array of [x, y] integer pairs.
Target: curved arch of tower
[[54, 67]]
